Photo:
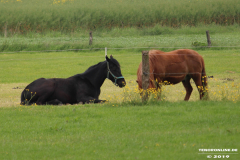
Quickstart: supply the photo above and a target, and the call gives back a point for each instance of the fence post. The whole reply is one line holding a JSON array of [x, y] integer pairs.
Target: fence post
[[5, 30], [90, 38], [145, 75], [208, 39], [105, 52]]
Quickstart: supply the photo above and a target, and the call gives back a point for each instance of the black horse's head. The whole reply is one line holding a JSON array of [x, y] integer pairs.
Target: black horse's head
[[114, 72]]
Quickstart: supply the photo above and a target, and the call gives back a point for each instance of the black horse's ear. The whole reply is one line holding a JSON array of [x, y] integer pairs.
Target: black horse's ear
[[111, 57], [107, 59]]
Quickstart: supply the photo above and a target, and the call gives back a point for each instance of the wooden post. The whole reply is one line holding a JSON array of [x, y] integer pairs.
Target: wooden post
[[90, 38], [145, 75], [105, 52], [5, 30], [208, 39], [17, 28]]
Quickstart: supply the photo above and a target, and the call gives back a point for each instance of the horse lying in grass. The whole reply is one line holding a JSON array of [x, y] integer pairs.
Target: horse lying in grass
[[174, 67], [80, 88]]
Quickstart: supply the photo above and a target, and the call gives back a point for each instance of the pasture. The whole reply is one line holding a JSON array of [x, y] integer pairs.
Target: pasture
[[123, 128], [166, 130], [19, 69]]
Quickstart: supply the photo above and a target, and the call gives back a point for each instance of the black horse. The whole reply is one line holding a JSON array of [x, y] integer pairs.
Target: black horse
[[80, 88]]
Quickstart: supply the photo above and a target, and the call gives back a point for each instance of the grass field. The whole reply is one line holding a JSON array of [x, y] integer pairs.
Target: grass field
[[18, 69], [120, 129], [165, 130], [124, 127]]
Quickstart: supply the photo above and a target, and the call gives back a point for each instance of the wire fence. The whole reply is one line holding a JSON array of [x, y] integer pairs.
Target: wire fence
[[125, 48]]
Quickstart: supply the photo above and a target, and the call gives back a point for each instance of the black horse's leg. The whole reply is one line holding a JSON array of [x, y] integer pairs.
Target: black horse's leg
[[95, 101], [43, 98], [186, 83], [54, 102], [90, 100], [99, 101]]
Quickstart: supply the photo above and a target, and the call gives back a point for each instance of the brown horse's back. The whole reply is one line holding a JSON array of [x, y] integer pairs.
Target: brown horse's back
[[175, 66]]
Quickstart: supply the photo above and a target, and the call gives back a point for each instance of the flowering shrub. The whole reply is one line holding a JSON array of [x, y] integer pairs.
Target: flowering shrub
[[133, 95]]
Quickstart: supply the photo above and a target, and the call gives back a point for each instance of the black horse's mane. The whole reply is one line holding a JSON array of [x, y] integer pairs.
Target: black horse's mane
[[88, 73], [93, 67], [114, 61]]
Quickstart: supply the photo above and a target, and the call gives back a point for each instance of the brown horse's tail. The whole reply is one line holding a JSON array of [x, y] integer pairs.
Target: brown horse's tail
[[204, 83]]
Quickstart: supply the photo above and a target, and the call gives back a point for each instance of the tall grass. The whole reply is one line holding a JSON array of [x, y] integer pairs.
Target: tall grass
[[23, 16]]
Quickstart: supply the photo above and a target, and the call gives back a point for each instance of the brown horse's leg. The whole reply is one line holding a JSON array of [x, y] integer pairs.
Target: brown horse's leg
[[188, 87], [198, 81], [159, 90]]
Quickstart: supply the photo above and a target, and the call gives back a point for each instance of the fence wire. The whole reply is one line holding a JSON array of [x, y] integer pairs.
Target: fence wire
[[126, 48]]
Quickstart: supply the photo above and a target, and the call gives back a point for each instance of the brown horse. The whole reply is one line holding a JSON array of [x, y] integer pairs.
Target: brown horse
[[174, 67]]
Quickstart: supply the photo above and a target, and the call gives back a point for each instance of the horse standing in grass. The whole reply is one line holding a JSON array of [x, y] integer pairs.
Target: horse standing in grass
[[80, 88], [174, 67]]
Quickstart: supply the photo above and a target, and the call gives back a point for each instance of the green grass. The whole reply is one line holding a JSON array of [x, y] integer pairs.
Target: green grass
[[165, 130], [19, 69], [25, 67], [169, 129], [23, 16]]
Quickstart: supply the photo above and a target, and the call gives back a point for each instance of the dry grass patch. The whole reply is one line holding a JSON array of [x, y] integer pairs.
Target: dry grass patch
[[10, 94], [219, 89]]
